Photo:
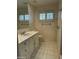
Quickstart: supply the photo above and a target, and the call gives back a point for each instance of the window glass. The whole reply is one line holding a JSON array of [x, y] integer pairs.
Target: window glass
[[26, 17], [21, 17], [49, 16], [42, 16]]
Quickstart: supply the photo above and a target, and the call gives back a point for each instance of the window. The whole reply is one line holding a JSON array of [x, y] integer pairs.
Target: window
[[21, 17], [24, 17], [47, 16], [42, 16]]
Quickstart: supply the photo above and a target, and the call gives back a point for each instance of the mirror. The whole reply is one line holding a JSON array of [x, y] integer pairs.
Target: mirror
[[22, 17]]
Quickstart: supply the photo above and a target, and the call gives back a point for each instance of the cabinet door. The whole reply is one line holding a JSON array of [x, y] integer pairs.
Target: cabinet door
[[22, 51], [30, 47], [36, 38], [27, 49]]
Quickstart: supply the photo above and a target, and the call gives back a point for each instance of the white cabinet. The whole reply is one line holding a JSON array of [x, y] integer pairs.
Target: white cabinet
[[22, 51], [27, 47], [30, 47], [36, 38]]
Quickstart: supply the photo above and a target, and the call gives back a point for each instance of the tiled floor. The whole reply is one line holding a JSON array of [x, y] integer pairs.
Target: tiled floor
[[48, 50]]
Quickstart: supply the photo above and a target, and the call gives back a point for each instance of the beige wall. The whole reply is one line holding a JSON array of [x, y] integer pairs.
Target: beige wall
[[31, 13], [49, 32]]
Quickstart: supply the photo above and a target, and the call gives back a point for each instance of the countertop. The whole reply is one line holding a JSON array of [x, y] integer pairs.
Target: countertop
[[27, 35]]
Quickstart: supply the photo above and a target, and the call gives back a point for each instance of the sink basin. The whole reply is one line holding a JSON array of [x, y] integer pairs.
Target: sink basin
[[29, 33], [26, 33]]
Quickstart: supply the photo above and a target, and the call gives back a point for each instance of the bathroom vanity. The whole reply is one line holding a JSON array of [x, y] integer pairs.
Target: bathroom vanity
[[28, 42]]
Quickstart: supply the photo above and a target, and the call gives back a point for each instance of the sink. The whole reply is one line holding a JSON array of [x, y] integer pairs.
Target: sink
[[26, 33], [29, 33]]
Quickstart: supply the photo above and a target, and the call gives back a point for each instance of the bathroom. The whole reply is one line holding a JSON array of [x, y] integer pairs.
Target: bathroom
[[39, 28]]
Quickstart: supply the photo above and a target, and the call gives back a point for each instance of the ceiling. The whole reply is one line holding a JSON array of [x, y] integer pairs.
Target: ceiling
[[21, 3]]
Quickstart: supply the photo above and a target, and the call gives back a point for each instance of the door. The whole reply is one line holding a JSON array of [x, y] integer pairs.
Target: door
[[59, 32]]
